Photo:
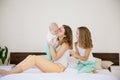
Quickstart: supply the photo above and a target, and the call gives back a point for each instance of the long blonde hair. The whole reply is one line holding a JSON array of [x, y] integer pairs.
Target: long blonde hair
[[84, 39]]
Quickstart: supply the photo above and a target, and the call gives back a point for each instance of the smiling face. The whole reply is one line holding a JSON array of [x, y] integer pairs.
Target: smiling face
[[65, 35], [54, 28], [61, 31]]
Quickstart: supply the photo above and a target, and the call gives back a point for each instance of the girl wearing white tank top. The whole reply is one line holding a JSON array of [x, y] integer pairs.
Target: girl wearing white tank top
[[83, 50]]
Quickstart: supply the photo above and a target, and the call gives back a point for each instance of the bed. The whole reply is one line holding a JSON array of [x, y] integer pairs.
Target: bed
[[68, 74]]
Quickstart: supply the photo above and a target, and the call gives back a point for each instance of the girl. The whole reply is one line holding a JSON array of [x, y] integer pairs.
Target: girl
[[83, 50], [59, 57]]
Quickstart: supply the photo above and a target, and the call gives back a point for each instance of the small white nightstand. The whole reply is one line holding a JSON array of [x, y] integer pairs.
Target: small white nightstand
[[116, 71], [6, 67]]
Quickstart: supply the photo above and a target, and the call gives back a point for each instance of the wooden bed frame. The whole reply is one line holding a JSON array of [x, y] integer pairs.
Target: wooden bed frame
[[16, 57], [114, 57]]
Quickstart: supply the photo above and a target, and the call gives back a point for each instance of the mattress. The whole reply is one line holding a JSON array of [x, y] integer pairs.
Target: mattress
[[68, 74]]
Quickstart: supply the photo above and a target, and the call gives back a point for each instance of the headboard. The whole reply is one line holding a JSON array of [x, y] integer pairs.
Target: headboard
[[16, 57], [114, 57]]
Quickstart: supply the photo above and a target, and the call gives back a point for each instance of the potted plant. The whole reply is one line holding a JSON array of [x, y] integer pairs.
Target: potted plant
[[3, 54]]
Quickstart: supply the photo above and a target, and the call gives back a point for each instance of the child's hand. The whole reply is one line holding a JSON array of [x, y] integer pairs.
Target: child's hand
[[72, 53], [51, 43]]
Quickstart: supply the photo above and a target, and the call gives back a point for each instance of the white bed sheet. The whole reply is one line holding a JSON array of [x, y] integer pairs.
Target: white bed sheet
[[69, 74]]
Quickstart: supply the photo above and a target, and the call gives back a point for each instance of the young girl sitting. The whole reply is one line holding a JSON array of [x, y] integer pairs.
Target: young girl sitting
[[83, 51]]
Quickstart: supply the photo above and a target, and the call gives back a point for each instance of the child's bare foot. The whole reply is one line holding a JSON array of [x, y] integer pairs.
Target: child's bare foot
[[4, 72]]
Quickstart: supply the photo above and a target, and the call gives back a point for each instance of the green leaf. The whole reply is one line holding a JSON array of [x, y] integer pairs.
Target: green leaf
[[3, 54]]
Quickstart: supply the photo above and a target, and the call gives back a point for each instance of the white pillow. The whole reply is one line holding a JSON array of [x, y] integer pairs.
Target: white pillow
[[98, 63], [106, 64]]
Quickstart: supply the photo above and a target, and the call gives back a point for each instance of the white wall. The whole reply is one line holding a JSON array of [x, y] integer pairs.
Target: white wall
[[24, 23]]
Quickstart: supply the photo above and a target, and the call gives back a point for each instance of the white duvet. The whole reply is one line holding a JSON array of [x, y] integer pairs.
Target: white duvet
[[69, 74]]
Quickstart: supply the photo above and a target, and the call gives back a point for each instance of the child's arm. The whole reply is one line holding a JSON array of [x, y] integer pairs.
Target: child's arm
[[55, 42], [74, 53], [49, 37], [85, 57]]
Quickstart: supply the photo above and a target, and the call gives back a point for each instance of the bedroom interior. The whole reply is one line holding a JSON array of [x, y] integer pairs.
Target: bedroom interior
[[16, 57], [24, 25]]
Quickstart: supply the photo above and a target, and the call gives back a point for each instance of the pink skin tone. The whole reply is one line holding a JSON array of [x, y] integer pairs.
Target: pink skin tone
[[71, 51], [60, 32], [25, 64]]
